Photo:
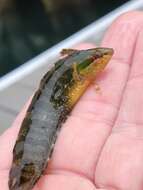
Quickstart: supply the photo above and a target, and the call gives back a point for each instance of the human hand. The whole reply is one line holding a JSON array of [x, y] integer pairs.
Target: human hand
[[100, 145]]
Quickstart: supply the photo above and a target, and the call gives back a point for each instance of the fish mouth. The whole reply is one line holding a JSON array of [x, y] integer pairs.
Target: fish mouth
[[107, 54], [100, 63]]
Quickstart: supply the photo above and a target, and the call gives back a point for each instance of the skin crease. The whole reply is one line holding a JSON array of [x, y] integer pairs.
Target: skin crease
[[100, 145]]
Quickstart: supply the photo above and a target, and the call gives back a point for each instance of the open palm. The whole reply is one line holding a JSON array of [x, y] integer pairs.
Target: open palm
[[101, 144]]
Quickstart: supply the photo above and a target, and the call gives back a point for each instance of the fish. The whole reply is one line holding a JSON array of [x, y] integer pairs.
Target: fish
[[58, 92]]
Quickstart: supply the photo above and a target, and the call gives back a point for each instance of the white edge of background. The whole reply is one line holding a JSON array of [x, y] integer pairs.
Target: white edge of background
[[85, 33]]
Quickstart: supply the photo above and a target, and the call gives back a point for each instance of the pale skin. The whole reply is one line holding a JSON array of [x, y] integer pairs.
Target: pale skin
[[100, 145]]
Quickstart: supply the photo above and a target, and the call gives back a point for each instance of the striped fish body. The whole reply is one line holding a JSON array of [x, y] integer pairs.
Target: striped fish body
[[58, 92]]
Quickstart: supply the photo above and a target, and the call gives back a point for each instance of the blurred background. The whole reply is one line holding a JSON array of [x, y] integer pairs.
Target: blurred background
[[28, 27]]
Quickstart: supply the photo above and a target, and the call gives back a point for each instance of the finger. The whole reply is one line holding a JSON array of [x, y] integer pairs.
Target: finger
[[123, 153], [86, 130], [131, 109], [68, 181], [7, 140]]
